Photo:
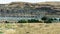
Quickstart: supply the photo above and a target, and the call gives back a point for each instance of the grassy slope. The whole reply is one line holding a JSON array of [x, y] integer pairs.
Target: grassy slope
[[30, 28]]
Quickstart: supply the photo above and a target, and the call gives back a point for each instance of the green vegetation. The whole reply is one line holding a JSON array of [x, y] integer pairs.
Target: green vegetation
[[1, 32], [22, 21], [29, 21], [46, 19], [33, 21], [43, 20], [6, 22]]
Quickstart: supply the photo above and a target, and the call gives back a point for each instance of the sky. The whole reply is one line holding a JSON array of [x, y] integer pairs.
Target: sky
[[32, 1]]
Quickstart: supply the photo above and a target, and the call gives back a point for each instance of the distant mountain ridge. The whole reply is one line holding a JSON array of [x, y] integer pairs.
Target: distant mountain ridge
[[22, 4], [30, 9]]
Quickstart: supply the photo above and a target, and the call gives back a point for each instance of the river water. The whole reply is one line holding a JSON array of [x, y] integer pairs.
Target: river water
[[13, 18]]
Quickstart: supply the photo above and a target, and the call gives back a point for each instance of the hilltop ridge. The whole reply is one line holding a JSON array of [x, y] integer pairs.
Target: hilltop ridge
[[30, 9]]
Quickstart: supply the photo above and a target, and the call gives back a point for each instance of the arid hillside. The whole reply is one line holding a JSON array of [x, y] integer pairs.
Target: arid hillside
[[16, 9]]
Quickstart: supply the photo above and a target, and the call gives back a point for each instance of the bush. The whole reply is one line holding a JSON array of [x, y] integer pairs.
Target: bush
[[22, 21], [44, 18], [6, 22], [55, 19], [33, 21], [59, 19], [49, 21], [29, 21]]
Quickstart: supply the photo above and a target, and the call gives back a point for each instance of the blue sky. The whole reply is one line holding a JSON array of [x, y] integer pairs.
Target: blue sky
[[33, 1]]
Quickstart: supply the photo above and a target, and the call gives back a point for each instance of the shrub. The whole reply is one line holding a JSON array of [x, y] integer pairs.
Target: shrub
[[6, 22], [44, 18], [1, 32], [59, 19], [22, 21], [51, 19], [48, 21], [55, 19], [33, 21]]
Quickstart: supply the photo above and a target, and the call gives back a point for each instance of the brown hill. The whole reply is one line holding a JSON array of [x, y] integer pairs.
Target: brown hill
[[18, 8]]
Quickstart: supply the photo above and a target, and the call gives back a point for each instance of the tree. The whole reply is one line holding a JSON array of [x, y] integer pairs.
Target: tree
[[48, 21], [44, 18], [22, 21], [33, 21], [51, 19], [59, 19], [6, 22], [55, 19]]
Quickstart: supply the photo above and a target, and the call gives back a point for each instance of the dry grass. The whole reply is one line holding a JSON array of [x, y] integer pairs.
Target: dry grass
[[29, 28]]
